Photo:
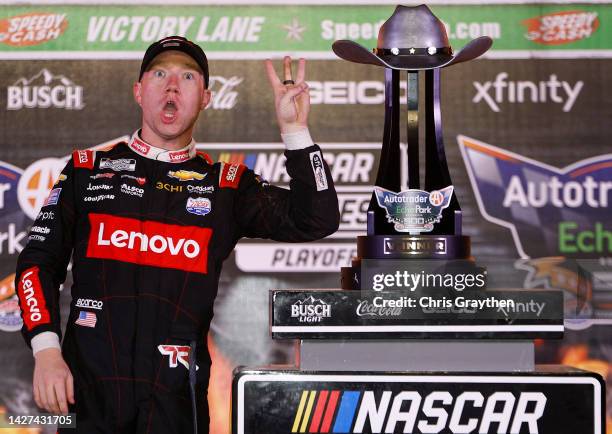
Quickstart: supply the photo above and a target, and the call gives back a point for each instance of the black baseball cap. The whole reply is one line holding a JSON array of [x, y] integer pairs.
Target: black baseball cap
[[175, 43]]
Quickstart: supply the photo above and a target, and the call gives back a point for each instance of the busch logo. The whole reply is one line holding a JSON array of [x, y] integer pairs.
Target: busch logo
[[502, 90], [176, 354], [310, 310], [223, 95], [45, 90], [148, 243]]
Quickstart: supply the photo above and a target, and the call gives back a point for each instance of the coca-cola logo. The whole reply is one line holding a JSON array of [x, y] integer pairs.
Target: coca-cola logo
[[224, 95], [561, 27], [366, 308], [148, 243]]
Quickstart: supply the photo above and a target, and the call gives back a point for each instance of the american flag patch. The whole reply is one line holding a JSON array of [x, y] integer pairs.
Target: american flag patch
[[87, 319]]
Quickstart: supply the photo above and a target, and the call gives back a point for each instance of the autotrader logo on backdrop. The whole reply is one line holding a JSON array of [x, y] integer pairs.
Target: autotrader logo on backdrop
[[44, 90], [505, 89], [549, 210]]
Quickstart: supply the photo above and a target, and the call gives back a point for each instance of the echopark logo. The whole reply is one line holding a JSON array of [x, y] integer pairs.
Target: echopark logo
[[148, 243]]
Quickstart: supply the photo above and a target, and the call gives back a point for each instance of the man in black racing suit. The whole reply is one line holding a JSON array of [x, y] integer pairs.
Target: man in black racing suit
[[148, 228]]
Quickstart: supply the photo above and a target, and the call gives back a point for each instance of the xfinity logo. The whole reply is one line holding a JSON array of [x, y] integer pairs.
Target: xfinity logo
[[502, 90], [44, 90]]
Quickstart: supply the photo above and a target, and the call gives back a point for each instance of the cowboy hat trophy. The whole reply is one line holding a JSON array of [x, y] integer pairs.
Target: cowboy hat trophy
[[423, 221]]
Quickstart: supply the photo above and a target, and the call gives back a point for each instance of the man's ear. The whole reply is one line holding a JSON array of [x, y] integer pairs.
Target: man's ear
[[206, 97], [136, 89]]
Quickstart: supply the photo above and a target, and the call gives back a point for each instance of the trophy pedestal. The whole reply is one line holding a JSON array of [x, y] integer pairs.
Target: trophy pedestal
[[390, 382], [416, 355]]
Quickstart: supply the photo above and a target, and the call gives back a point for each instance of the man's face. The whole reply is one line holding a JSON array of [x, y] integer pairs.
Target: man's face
[[171, 94]]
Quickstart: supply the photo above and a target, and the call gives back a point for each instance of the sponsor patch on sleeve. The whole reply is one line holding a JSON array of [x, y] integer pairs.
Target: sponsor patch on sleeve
[[53, 197], [230, 175], [33, 305], [318, 169], [84, 158]]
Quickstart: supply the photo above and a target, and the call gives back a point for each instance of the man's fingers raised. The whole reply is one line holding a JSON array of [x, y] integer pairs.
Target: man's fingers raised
[[301, 72], [271, 73], [287, 68]]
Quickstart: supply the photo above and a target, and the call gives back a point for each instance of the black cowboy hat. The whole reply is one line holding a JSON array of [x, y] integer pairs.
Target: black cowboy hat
[[413, 38]]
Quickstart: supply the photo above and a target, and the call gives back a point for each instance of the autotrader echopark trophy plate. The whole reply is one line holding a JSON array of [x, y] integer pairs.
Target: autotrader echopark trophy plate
[[550, 400], [430, 313]]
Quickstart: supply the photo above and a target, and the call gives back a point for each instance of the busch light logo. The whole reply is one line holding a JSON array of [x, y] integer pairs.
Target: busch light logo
[[414, 211], [549, 211], [310, 310], [44, 90]]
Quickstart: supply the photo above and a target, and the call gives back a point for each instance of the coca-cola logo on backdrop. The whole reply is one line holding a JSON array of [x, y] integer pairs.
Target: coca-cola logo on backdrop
[[224, 94]]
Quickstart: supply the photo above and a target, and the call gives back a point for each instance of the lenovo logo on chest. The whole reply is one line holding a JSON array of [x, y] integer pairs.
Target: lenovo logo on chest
[[148, 243]]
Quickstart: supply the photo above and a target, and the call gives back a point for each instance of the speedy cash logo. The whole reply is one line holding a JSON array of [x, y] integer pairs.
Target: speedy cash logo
[[549, 211], [33, 28], [148, 243], [411, 411], [561, 28]]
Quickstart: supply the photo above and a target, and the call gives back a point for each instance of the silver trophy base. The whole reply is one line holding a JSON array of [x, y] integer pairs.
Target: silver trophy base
[[416, 355]]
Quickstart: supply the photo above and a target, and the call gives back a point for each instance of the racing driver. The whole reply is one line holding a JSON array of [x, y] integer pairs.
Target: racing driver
[[148, 224]]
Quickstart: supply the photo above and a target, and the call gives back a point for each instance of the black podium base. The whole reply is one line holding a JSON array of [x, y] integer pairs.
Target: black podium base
[[552, 399]]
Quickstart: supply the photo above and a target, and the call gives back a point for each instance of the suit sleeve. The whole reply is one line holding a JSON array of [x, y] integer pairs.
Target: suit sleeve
[[41, 266], [307, 211]]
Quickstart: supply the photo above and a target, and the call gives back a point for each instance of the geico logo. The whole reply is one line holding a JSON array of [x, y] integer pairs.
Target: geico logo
[[310, 310], [438, 411], [200, 189], [28, 291], [99, 187], [156, 243], [89, 303], [169, 187], [350, 92]]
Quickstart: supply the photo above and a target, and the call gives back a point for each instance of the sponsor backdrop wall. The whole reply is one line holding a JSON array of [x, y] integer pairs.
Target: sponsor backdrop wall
[[526, 130]]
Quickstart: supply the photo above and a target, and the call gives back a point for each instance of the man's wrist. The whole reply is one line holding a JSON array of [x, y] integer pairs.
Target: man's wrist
[[298, 139], [45, 340]]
